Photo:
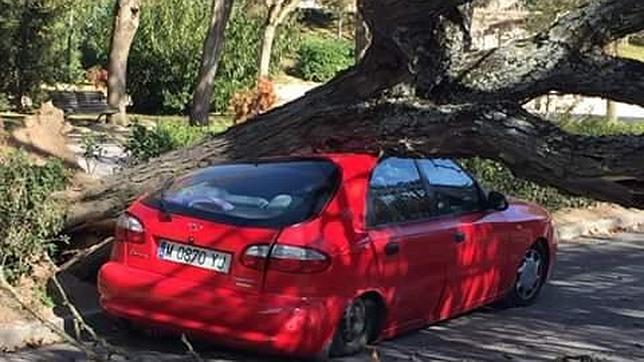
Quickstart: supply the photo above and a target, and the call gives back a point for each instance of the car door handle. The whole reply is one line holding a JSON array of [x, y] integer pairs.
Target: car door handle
[[392, 248], [459, 237]]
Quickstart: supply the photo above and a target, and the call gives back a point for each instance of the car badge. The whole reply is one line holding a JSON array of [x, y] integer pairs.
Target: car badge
[[194, 226]]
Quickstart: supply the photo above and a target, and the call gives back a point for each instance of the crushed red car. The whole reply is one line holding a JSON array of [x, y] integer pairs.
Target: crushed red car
[[320, 255]]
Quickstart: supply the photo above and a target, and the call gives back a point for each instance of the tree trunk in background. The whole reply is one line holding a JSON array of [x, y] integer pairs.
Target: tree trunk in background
[[611, 106], [340, 19], [211, 53], [278, 10], [126, 22], [266, 50]]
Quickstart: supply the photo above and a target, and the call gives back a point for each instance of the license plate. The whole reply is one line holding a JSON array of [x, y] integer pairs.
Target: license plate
[[194, 256]]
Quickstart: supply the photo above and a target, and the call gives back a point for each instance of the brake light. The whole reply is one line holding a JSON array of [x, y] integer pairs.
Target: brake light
[[285, 258], [129, 229]]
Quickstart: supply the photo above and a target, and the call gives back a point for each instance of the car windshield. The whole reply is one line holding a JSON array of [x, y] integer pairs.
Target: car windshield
[[266, 194]]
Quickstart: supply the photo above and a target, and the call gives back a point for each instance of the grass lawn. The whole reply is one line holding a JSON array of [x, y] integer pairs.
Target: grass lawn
[[218, 123]]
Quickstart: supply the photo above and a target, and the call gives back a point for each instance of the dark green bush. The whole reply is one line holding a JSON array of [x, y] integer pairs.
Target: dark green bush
[[30, 221], [145, 143], [495, 176], [320, 59], [5, 103]]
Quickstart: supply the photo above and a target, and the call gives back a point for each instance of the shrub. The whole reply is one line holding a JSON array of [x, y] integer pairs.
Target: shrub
[[247, 104], [165, 56], [145, 143], [598, 126], [30, 220], [320, 59], [495, 176], [5, 103]]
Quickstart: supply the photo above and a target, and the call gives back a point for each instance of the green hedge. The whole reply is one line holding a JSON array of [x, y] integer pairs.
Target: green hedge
[[30, 220], [320, 59], [495, 176], [145, 143]]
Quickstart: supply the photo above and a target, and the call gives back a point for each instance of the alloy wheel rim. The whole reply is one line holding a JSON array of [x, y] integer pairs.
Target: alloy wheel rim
[[355, 321], [530, 274]]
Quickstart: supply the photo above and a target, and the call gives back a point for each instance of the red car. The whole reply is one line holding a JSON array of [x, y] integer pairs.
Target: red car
[[317, 256]]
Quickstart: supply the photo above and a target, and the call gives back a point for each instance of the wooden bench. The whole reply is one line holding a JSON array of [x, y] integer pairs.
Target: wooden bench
[[83, 102]]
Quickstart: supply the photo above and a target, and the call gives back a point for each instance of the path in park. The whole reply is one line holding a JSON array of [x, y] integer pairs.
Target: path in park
[[593, 306]]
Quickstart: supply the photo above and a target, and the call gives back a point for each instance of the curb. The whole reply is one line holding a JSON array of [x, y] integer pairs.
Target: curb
[[625, 219]]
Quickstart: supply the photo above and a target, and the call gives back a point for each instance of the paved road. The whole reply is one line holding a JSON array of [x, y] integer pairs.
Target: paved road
[[594, 306]]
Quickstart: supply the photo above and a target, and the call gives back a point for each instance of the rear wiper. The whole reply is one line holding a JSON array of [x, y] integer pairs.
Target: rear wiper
[[163, 206]]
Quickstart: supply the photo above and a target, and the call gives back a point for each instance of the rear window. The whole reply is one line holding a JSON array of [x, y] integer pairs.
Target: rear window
[[269, 194]]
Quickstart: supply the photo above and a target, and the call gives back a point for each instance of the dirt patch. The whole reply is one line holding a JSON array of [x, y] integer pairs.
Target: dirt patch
[[32, 291]]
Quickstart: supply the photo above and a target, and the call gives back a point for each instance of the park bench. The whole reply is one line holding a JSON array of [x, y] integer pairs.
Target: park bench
[[83, 102]]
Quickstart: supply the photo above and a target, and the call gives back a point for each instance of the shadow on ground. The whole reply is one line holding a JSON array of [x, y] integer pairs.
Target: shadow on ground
[[592, 307]]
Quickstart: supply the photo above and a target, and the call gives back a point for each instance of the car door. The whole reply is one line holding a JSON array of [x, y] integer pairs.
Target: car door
[[475, 273], [413, 252]]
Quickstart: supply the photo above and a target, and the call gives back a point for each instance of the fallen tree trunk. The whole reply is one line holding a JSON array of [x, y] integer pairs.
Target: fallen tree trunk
[[419, 90]]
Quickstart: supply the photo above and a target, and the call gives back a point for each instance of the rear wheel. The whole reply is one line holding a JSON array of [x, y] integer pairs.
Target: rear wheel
[[531, 275], [358, 324]]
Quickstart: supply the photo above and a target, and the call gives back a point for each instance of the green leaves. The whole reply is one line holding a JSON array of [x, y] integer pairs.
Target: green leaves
[[495, 176], [29, 219], [320, 59]]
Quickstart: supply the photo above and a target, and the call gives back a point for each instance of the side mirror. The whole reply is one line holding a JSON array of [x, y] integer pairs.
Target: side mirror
[[497, 201]]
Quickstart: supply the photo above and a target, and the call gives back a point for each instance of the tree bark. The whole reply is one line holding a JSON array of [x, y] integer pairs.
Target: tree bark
[[126, 23], [419, 90], [278, 11], [362, 37], [266, 50], [211, 53]]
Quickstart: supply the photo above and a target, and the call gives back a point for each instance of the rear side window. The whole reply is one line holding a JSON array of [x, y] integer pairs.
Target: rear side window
[[267, 194], [455, 192], [397, 193]]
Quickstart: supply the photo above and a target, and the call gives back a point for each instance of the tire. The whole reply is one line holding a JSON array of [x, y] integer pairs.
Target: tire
[[357, 326], [530, 278]]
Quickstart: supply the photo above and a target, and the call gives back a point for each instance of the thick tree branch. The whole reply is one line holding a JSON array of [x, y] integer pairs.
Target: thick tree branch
[[605, 168], [527, 68], [599, 75], [470, 107]]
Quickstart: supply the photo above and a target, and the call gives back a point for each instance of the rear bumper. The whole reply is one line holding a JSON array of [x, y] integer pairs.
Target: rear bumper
[[272, 323]]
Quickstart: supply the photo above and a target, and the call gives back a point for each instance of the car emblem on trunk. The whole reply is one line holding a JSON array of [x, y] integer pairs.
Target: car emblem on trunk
[[194, 226]]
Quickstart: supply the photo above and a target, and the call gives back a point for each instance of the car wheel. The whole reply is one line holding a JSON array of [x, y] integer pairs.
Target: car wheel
[[355, 328], [531, 275]]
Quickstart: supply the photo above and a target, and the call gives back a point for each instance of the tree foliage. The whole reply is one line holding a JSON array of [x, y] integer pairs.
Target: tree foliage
[[25, 46], [544, 11], [164, 60], [29, 218]]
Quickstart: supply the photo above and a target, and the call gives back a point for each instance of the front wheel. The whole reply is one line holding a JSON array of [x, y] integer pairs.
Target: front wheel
[[356, 327], [531, 275]]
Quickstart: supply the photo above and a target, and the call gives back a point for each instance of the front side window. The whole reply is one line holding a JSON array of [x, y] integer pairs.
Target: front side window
[[454, 190], [267, 194], [397, 193]]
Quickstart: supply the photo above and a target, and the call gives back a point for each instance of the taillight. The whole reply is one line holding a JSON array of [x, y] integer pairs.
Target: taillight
[[129, 229], [285, 258]]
